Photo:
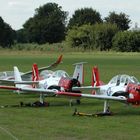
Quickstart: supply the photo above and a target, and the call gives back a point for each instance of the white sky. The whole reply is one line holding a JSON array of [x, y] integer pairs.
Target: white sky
[[16, 12]]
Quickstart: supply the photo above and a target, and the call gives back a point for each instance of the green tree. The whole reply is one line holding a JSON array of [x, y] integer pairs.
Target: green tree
[[7, 34], [21, 36], [121, 20], [84, 16], [47, 25]]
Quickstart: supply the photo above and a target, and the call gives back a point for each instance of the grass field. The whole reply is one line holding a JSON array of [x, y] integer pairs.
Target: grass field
[[56, 122]]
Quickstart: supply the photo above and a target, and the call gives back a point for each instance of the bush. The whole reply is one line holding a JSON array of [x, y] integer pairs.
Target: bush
[[128, 41], [80, 36], [98, 36], [56, 47]]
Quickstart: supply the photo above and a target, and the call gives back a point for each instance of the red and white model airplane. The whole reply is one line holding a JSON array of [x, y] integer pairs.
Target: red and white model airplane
[[48, 83], [122, 88]]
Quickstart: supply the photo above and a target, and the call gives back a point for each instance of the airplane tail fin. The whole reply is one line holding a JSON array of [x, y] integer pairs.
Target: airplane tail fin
[[17, 76], [95, 77], [79, 72], [35, 73], [19, 83]]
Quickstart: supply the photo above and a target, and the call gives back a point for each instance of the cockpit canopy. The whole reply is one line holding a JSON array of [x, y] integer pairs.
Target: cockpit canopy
[[46, 74], [60, 73], [123, 79]]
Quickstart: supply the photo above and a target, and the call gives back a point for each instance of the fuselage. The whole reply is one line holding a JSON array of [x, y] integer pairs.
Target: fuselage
[[59, 80], [118, 86]]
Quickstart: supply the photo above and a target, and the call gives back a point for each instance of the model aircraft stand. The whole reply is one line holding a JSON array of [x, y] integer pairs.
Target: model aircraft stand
[[100, 114], [106, 112]]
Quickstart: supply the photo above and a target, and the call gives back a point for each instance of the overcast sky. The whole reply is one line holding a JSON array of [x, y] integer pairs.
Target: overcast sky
[[16, 12]]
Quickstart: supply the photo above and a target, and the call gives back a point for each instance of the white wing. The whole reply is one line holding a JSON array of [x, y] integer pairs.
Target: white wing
[[52, 92]]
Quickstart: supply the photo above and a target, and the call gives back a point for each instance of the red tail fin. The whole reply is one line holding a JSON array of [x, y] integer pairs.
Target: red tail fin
[[35, 73], [95, 77]]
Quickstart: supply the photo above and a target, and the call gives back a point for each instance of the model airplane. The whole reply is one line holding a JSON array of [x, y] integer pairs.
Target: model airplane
[[123, 88], [49, 83], [9, 75]]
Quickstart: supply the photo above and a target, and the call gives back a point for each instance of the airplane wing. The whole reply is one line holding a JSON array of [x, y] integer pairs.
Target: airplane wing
[[51, 92], [87, 89], [13, 82], [52, 66], [47, 92], [103, 97]]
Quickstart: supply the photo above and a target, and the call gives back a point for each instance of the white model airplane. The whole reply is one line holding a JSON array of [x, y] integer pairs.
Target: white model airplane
[[9, 75], [48, 83], [122, 88]]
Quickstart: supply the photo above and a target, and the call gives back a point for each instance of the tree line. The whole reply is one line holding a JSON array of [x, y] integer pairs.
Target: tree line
[[85, 29]]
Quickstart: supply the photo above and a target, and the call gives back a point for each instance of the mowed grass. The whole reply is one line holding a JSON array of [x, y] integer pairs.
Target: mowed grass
[[56, 121]]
